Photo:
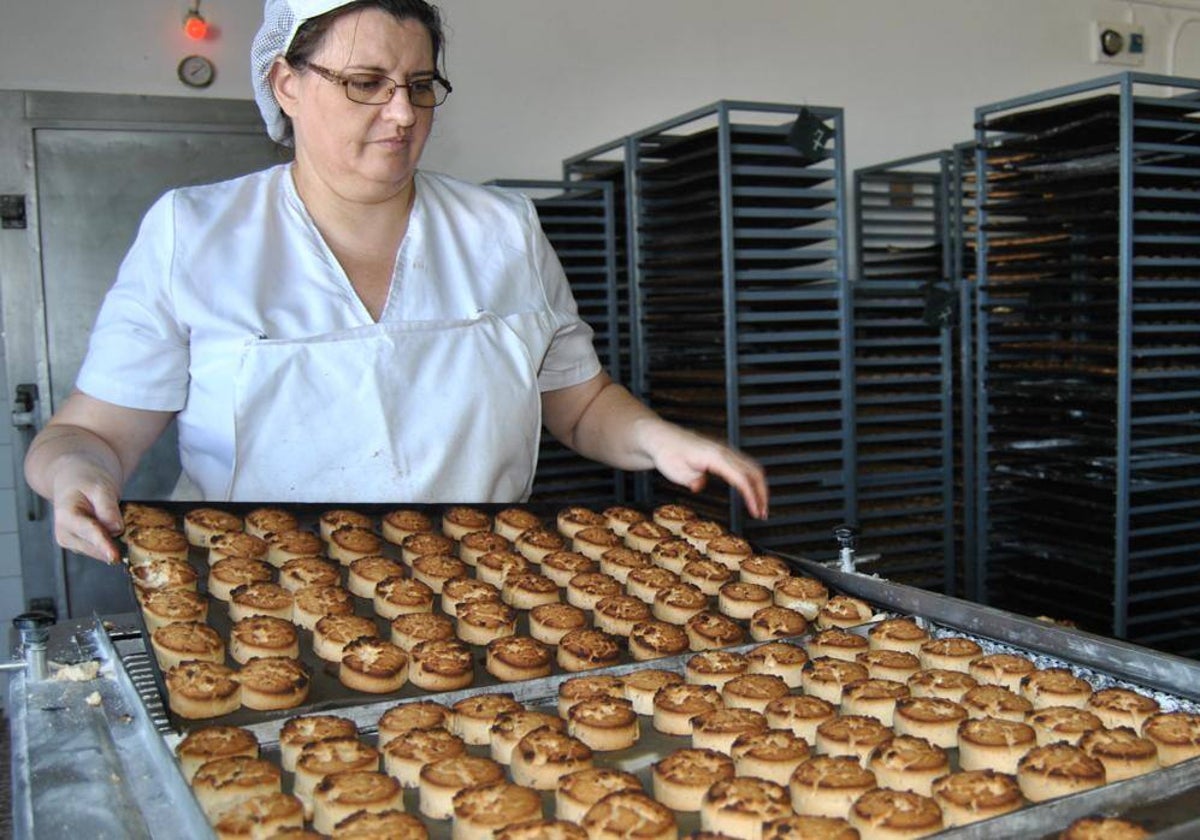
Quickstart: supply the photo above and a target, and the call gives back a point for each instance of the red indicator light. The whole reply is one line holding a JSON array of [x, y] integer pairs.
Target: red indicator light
[[195, 26]]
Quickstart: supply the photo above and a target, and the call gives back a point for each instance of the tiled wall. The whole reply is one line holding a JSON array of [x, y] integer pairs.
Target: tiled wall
[[12, 590]]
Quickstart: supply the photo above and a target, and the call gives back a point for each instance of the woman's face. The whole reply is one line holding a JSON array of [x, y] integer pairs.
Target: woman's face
[[361, 152]]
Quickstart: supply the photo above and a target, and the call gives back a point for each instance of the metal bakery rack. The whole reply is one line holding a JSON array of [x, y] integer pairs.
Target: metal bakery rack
[[1088, 356]]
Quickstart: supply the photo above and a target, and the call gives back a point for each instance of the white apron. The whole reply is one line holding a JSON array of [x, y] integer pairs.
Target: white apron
[[424, 411]]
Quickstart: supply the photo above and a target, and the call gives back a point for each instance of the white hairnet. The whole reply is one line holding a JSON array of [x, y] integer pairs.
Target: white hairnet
[[281, 19]]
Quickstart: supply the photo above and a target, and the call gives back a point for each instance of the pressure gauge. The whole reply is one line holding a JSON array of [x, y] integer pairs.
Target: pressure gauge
[[196, 71]]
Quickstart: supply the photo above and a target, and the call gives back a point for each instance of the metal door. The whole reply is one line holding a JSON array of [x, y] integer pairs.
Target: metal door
[[88, 167]]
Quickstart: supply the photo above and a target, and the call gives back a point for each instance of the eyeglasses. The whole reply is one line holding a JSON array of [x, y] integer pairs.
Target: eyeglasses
[[377, 89]]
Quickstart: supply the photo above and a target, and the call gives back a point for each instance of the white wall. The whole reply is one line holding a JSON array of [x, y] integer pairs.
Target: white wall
[[538, 80]]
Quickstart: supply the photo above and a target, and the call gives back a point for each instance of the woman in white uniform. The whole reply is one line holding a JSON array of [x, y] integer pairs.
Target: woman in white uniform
[[346, 328]]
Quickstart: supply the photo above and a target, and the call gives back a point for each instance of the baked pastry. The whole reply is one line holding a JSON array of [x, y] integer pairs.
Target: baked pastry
[[434, 570], [561, 566], [333, 632], [318, 759], [463, 590], [993, 743], [852, 735], [656, 639], [269, 520], [874, 698], [397, 596], [414, 545], [1055, 687], [166, 606], [709, 631], [398, 524], [579, 791], [739, 806], [137, 515], [643, 536], [474, 545], [550, 622], [673, 517], [201, 524], [899, 634], [805, 595], [1103, 828], [699, 531], [582, 650], [298, 732], [707, 575], [799, 713], [536, 543], [640, 687], [836, 643], [783, 659], [645, 583], [718, 729], [885, 664], [827, 785], [883, 813], [825, 677], [333, 520], [233, 544], [620, 562], [997, 702], [299, 573], [458, 521], [411, 629], [529, 590], [1057, 770], [269, 599], [226, 575], [773, 755], [619, 518], [586, 589], [542, 830], [1062, 723], [475, 716], [572, 520], [373, 665], [163, 573], [265, 815], [404, 757], [1122, 751], [742, 600], [1122, 707], [283, 546], [212, 742], [441, 665], [545, 755], [340, 795], [513, 658], [907, 762], [679, 602], [715, 667], [764, 570], [939, 682], [604, 724], [950, 653], [270, 683], [673, 553], [511, 727], [386, 825], [774, 622], [223, 783], [798, 827], [1175, 734], [590, 687], [510, 523], [481, 811], [1002, 669], [312, 603], [729, 550], [366, 572], [263, 635], [844, 611], [973, 795], [676, 705], [753, 691], [628, 813], [495, 566], [594, 542], [440, 780], [415, 714], [932, 718], [185, 641], [480, 622]]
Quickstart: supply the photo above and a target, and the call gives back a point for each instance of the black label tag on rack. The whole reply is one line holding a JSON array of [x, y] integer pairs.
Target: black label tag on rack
[[809, 135], [941, 305]]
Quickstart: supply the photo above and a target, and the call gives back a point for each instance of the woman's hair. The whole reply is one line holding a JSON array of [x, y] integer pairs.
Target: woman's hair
[[312, 32]]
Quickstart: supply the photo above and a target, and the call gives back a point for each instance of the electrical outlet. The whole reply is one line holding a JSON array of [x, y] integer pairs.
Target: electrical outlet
[[1118, 43]]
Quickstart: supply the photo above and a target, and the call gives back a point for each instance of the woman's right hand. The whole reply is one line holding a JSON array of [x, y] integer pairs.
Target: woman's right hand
[[87, 511]]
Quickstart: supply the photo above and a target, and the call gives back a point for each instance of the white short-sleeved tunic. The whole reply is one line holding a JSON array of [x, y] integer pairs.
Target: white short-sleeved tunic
[[231, 310]]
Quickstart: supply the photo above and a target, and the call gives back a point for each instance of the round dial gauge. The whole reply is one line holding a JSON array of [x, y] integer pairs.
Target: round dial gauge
[[196, 71]]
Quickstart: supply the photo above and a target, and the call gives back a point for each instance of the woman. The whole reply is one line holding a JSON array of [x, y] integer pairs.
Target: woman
[[345, 327]]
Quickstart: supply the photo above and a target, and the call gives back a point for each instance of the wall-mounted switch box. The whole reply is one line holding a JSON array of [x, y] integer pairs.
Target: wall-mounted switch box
[[1118, 43]]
